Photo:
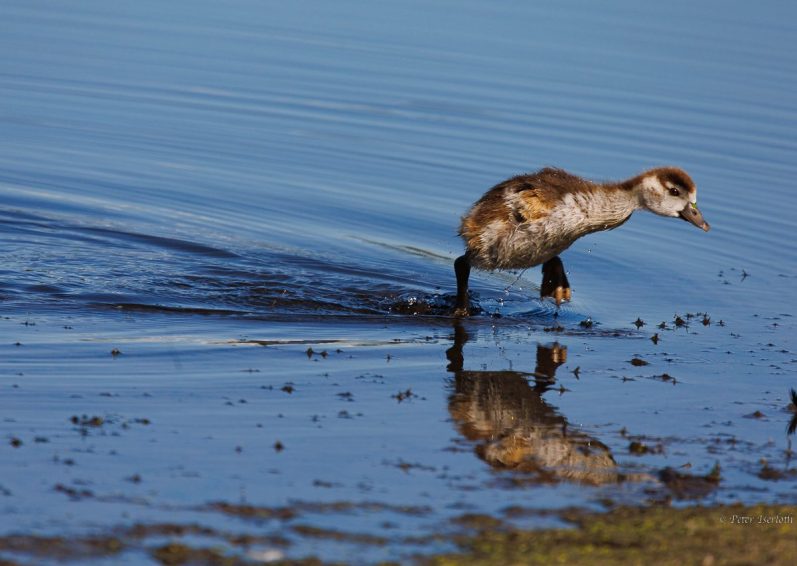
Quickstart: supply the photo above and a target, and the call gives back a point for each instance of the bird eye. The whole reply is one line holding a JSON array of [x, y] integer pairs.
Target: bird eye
[[675, 192]]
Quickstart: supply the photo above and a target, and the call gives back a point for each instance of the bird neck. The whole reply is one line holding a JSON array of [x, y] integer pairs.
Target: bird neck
[[638, 188], [608, 206]]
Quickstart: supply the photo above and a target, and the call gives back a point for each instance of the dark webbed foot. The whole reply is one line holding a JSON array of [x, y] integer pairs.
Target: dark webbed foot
[[462, 270], [554, 281]]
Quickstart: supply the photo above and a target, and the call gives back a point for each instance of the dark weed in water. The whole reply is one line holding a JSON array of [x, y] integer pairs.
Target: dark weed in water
[[689, 486], [404, 395], [638, 448], [86, 421], [770, 473], [667, 377]]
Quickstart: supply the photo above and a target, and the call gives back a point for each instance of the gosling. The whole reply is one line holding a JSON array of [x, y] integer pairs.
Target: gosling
[[530, 219]]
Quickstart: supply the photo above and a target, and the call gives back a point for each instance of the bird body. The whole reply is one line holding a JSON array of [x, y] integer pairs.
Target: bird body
[[530, 219]]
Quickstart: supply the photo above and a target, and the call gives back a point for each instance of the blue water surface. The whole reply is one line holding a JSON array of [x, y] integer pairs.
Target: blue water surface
[[213, 188]]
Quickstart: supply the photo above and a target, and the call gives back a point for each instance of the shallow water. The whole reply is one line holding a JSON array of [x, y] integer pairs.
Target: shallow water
[[249, 201]]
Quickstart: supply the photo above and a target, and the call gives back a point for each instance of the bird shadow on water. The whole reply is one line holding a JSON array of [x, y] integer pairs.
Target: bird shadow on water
[[515, 429], [526, 439]]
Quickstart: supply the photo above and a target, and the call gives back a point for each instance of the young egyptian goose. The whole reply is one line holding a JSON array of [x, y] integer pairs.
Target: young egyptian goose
[[530, 219]]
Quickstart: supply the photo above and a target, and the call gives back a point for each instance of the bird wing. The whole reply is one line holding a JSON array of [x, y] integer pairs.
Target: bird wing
[[530, 203]]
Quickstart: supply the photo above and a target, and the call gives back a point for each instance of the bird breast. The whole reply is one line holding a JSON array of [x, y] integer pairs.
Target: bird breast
[[524, 229]]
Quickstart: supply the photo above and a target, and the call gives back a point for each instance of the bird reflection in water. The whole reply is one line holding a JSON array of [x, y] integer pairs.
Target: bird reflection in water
[[514, 428]]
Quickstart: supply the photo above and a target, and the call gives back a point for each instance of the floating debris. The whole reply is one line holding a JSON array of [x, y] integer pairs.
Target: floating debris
[[769, 473], [85, 420], [403, 395], [688, 486], [639, 448], [72, 492], [668, 377], [755, 415]]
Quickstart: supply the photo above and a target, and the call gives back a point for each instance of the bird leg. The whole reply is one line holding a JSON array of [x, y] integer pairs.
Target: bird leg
[[462, 270], [548, 359], [554, 281]]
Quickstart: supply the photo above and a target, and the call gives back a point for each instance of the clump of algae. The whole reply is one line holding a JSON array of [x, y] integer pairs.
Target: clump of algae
[[761, 534]]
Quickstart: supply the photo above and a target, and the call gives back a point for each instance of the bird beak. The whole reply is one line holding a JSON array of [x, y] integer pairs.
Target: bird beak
[[691, 214]]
